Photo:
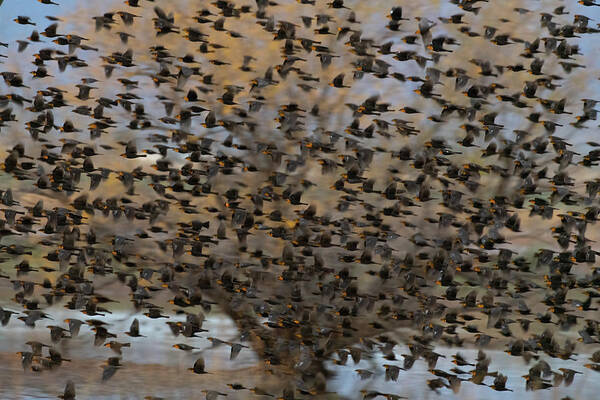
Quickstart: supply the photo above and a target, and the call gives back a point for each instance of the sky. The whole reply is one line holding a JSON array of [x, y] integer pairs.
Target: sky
[[10, 9], [10, 32]]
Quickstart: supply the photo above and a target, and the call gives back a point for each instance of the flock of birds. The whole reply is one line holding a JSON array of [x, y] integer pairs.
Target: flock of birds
[[328, 233]]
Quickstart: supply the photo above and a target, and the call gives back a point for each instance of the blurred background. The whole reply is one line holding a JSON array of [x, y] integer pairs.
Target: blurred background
[[153, 367]]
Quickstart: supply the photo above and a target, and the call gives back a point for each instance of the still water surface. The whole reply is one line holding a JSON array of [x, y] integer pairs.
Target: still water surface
[[151, 367]]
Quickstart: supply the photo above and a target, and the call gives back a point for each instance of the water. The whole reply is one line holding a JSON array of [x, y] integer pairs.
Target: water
[[153, 367]]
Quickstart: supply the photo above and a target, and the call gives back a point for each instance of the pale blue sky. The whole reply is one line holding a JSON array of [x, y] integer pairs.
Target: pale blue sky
[[10, 9]]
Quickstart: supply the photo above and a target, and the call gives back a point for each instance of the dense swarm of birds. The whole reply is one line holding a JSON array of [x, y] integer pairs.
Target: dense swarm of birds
[[335, 182]]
